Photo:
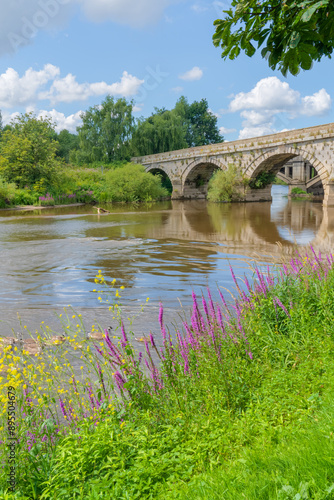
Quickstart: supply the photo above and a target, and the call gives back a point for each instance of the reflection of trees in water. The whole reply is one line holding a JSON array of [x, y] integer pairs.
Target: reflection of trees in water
[[164, 254]]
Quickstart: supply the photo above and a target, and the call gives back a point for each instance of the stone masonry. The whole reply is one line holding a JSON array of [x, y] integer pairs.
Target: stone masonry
[[190, 169]]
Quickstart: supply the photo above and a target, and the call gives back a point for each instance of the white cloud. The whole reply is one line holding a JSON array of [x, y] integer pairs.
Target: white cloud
[[34, 86], [217, 115], [70, 122], [224, 130], [137, 108], [193, 74], [272, 103], [22, 91], [67, 89], [248, 132], [317, 104], [269, 93]]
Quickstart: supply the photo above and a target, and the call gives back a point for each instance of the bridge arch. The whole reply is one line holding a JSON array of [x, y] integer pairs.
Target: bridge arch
[[166, 180], [196, 176], [274, 159]]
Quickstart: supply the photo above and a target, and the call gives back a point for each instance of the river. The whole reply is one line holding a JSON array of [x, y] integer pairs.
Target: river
[[49, 258]]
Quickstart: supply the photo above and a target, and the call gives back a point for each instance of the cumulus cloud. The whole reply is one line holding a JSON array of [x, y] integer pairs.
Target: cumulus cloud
[[70, 122], [22, 91], [317, 104], [268, 94], [224, 130], [46, 84], [67, 89], [271, 104], [193, 74]]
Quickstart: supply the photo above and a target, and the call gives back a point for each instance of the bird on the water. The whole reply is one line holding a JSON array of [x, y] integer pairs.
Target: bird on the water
[[101, 210]]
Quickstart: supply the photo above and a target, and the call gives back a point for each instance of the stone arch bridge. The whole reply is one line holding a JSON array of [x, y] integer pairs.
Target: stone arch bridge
[[189, 170]]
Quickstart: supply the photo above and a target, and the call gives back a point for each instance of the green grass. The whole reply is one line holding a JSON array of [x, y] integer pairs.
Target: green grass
[[239, 409]]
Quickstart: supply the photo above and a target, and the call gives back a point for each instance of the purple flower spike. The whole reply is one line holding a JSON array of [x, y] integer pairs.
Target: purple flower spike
[[161, 315], [125, 340], [152, 341]]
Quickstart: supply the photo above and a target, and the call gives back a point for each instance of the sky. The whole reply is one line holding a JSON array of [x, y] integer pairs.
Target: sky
[[60, 57]]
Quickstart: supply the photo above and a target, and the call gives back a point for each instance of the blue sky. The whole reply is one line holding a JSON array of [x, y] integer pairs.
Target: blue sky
[[59, 57]]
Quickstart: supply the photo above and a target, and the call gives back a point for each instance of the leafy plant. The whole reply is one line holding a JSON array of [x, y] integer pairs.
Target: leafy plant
[[262, 180]]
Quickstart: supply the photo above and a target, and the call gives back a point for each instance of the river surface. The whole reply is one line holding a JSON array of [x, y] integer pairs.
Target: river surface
[[49, 258]]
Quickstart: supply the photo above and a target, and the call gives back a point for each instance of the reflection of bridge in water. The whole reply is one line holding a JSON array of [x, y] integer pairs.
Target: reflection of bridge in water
[[249, 229]]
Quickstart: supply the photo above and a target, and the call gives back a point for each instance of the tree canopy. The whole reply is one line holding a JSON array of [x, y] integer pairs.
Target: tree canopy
[[28, 150], [200, 123], [293, 34], [186, 125], [106, 131], [162, 131]]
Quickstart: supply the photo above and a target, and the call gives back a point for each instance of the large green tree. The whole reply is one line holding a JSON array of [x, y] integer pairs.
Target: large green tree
[[199, 122], [28, 151], [106, 131], [67, 143], [184, 126], [162, 131], [293, 34]]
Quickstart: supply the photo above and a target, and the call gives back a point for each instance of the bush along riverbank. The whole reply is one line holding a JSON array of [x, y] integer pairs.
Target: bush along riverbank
[[236, 404], [118, 183]]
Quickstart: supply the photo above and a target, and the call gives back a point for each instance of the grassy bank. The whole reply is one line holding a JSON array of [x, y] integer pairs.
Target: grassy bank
[[118, 183], [240, 405]]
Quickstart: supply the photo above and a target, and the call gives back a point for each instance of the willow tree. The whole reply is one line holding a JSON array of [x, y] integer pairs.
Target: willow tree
[[162, 131]]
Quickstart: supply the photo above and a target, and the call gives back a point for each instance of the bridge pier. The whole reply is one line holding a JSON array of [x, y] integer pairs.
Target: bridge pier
[[329, 194], [258, 194], [297, 184]]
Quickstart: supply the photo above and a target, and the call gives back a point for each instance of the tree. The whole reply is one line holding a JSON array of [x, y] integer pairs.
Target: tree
[[200, 123], [186, 125], [106, 131], [293, 33], [28, 151], [67, 143], [162, 131]]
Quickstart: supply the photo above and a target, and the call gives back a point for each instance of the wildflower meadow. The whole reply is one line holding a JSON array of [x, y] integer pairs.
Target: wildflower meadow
[[236, 403]]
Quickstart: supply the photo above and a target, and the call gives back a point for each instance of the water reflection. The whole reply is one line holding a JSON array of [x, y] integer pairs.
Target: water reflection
[[49, 259]]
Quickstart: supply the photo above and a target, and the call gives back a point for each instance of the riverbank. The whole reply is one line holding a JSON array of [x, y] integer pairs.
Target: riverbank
[[40, 207], [238, 387]]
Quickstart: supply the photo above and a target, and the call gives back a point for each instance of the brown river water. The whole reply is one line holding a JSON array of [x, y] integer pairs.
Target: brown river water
[[49, 258]]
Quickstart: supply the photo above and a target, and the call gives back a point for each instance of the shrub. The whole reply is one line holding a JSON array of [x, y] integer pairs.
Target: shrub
[[225, 185], [7, 193], [262, 180], [298, 190]]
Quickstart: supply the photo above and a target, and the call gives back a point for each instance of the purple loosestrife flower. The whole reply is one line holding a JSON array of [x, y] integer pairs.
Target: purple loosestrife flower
[[120, 381], [212, 307], [62, 407], [279, 303], [205, 307], [124, 339], [161, 315], [152, 341], [249, 288], [223, 300]]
